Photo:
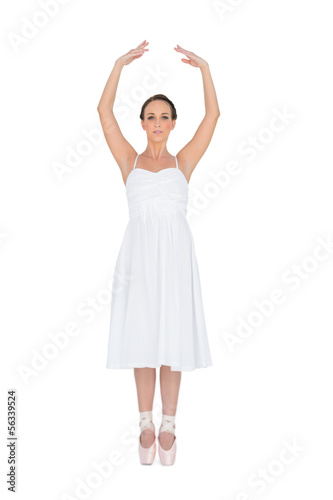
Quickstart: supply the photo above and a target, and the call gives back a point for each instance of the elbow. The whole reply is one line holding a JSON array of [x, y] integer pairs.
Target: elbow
[[101, 109], [104, 112], [214, 115]]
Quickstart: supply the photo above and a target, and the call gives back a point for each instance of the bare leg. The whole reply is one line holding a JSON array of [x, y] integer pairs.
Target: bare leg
[[170, 384], [145, 379]]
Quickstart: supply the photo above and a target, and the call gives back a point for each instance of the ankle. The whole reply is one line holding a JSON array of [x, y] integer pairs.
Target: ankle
[[146, 421], [168, 423]]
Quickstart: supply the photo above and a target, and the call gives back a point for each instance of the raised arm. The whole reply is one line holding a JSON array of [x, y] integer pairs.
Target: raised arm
[[191, 153], [121, 149]]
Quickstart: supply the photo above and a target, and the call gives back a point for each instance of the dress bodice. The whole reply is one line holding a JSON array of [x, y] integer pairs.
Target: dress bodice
[[162, 191]]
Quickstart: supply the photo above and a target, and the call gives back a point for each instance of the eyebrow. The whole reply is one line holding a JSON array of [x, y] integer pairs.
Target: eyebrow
[[154, 113]]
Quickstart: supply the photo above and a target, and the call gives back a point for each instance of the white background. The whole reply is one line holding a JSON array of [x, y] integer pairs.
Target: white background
[[60, 236]]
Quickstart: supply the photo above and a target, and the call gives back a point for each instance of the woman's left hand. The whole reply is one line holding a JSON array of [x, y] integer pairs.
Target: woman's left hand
[[193, 59]]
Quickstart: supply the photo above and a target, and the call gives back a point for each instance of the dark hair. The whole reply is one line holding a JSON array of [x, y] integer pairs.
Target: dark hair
[[159, 97]]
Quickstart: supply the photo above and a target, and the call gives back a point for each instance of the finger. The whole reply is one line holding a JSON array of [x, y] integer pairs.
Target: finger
[[187, 52], [144, 43], [184, 52]]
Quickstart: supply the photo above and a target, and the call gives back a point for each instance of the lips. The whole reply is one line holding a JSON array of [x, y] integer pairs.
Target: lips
[[157, 132]]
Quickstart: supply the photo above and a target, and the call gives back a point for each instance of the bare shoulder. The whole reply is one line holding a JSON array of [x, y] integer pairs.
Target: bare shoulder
[[190, 155], [185, 165], [127, 165]]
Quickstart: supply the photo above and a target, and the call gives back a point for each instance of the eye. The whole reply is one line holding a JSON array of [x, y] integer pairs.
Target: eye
[[166, 117]]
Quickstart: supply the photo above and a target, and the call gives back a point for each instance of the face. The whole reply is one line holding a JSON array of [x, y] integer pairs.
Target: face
[[158, 118]]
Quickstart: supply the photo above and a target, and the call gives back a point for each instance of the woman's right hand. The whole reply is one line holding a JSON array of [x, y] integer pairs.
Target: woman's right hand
[[133, 54]]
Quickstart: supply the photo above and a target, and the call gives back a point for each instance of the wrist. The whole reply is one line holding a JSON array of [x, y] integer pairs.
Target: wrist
[[118, 64], [205, 66]]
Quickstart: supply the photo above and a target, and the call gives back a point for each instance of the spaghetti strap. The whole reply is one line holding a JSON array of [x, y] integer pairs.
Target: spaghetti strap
[[176, 162], [136, 159]]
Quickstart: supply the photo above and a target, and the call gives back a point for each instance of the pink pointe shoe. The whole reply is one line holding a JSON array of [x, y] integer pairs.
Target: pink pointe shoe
[[147, 455], [167, 457]]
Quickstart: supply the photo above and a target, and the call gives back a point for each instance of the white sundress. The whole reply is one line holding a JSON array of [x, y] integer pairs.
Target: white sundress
[[157, 315]]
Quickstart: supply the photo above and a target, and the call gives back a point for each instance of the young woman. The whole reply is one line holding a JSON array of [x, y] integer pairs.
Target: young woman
[[157, 315]]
